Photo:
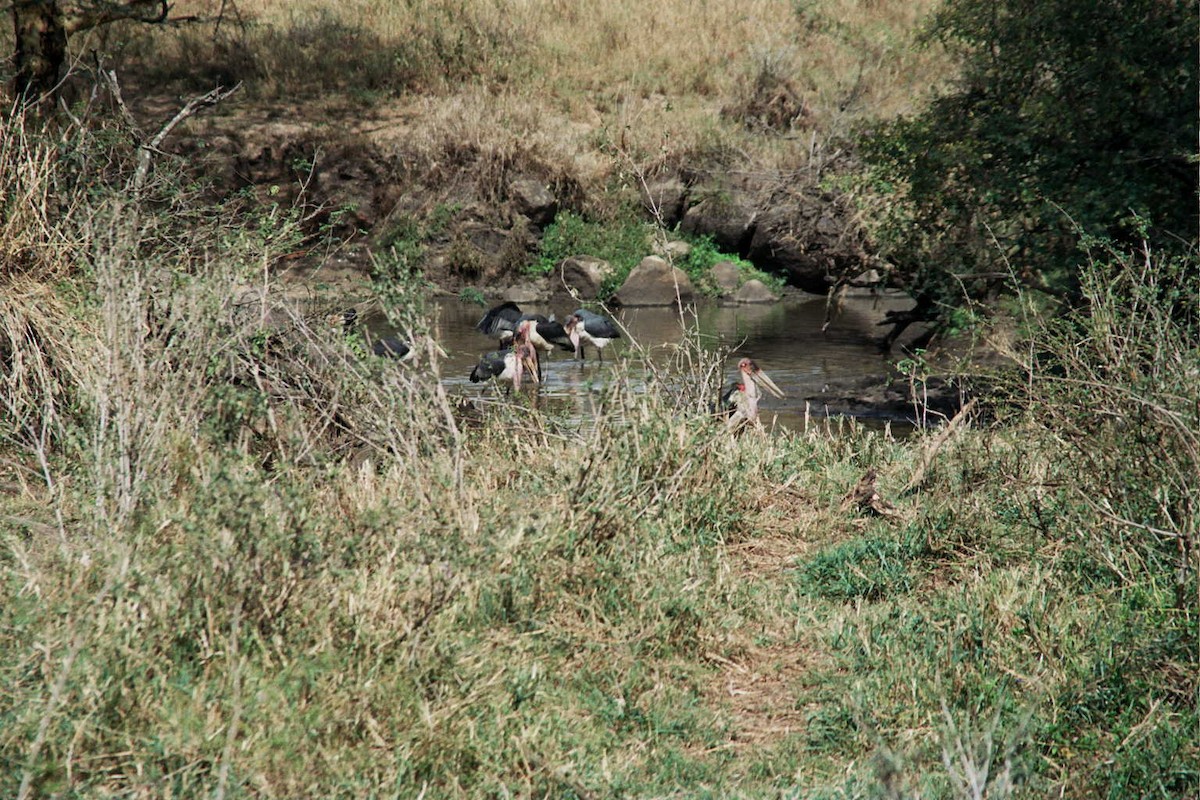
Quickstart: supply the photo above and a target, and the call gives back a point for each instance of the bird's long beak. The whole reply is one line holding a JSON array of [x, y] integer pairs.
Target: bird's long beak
[[573, 334], [530, 362], [525, 363], [764, 380]]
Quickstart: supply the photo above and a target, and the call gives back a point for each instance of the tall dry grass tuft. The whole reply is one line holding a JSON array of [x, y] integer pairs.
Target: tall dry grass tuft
[[35, 192], [258, 547], [1114, 386]]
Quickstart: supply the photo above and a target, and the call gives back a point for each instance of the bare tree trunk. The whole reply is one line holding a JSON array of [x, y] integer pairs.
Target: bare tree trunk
[[41, 47], [42, 28]]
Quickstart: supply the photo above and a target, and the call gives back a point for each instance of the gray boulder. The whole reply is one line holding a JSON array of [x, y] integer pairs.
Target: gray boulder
[[534, 201], [664, 199], [790, 227], [672, 250], [730, 221], [580, 276], [524, 293], [754, 291], [654, 282], [726, 276]]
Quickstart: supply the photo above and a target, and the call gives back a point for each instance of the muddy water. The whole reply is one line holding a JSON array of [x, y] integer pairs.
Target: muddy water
[[786, 339]]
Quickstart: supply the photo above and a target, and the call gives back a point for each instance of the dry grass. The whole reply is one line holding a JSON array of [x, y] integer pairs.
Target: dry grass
[[665, 84], [272, 568]]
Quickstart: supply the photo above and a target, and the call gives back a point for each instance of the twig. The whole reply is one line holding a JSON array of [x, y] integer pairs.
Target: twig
[[147, 148], [231, 730], [927, 457]]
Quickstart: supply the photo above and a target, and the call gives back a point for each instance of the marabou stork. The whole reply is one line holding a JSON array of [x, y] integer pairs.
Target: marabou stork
[[545, 335], [386, 346], [510, 365], [740, 400], [503, 320], [500, 322], [584, 326]]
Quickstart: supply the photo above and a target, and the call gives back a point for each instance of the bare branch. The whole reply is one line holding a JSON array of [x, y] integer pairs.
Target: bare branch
[[84, 15], [195, 105]]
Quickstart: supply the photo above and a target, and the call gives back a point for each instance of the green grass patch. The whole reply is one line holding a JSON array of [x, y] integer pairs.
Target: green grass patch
[[870, 568]]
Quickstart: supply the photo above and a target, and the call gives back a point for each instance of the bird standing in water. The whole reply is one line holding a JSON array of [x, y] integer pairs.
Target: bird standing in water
[[740, 400], [500, 322], [584, 326], [385, 346], [544, 334], [510, 365]]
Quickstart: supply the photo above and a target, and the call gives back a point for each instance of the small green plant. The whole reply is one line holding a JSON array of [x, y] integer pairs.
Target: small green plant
[[471, 294], [705, 254], [621, 242], [917, 371]]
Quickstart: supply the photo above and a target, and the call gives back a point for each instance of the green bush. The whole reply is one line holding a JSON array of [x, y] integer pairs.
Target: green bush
[[1069, 119], [705, 253], [620, 241], [1114, 382], [624, 242]]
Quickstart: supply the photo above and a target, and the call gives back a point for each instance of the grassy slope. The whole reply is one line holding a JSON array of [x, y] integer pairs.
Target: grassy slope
[[240, 561], [595, 89]]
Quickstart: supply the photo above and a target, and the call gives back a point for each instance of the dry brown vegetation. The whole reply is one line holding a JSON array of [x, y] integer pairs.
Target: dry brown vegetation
[[766, 85]]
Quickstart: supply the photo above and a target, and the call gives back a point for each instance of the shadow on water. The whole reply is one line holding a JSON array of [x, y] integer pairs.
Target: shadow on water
[[785, 338]]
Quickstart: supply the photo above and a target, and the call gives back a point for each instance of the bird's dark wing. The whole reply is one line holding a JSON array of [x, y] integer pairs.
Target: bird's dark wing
[[501, 318], [601, 328], [728, 400], [390, 347], [538, 318], [556, 334], [490, 365]]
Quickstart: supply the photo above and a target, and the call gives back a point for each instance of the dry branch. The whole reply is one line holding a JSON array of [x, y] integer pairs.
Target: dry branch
[[146, 149], [936, 445]]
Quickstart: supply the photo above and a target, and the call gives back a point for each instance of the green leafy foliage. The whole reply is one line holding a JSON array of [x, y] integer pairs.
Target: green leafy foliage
[[1069, 118], [705, 254], [621, 241], [624, 241]]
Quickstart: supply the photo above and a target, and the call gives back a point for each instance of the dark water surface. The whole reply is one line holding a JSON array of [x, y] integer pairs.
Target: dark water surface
[[785, 338]]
